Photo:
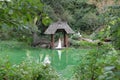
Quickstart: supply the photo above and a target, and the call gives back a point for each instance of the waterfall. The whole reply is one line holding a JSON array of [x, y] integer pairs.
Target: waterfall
[[59, 44]]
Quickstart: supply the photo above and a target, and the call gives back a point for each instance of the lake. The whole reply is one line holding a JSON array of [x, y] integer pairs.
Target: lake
[[63, 61]]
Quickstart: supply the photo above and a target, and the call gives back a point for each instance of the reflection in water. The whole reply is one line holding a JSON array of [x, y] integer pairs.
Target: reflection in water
[[61, 60], [59, 54], [40, 57], [46, 60], [58, 59]]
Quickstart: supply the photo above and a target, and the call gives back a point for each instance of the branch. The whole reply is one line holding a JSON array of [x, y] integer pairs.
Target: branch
[[6, 21]]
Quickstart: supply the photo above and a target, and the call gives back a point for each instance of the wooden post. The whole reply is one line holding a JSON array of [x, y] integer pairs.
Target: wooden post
[[65, 39], [52, 40]]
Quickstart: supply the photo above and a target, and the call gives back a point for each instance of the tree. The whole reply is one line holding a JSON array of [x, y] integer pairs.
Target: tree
[[19, 17], [72, 11], [114, 12], [111, 20]]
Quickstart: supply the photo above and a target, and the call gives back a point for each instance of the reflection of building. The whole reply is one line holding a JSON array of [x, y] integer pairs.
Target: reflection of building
[[61, 62], [65, 60]]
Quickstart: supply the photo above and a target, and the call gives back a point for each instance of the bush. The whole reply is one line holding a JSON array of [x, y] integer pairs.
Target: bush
[[83, 44], [115, 31], [30, 69], [99, 64]]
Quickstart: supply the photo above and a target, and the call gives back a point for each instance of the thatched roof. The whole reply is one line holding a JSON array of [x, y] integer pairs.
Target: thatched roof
[[60, 25]]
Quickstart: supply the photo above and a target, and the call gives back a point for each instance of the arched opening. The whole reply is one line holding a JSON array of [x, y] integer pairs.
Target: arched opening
[[64, 36], [56, 27]]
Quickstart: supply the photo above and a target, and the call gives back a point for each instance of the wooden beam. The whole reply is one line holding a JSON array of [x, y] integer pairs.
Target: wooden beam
[[52, 40], [65, 39]]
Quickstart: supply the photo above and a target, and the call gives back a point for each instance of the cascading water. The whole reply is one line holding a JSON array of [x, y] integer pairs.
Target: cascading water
[[59, 44]]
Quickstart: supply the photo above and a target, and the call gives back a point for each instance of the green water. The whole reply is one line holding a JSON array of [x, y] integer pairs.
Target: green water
[[64, 64]]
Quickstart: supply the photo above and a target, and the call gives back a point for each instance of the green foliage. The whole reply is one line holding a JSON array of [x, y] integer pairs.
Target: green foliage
[[75, 12], [19, 18], [89, 22], [15, 15], [83, 44], [46, 21], [95, 65], [114, 22], [30, 69], [102, 34], [109, 22], [19, 12], [12, 44], [116, 35]]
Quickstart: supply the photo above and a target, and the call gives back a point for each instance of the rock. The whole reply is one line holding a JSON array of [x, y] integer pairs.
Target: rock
[[109, 68], [44, 46]]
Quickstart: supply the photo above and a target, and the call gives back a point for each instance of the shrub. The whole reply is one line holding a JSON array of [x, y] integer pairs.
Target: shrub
[[100, 64], [30, 69], [83, 44]]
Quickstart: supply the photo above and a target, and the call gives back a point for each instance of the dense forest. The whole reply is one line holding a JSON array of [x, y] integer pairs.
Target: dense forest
[[22, 18], [96, 24]]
